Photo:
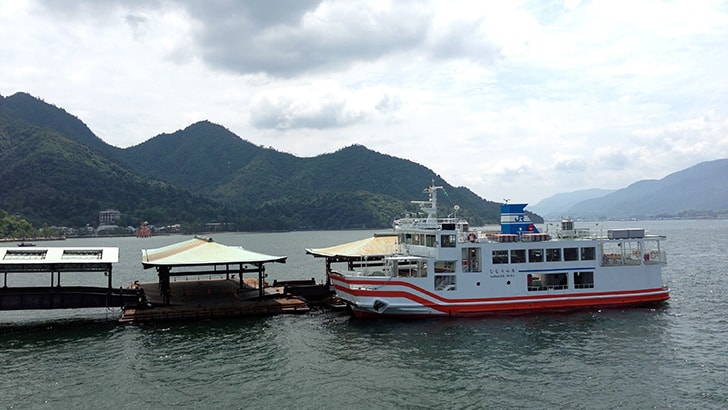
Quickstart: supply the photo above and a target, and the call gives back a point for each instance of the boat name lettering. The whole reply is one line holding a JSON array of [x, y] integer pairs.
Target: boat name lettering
[[496, 271]]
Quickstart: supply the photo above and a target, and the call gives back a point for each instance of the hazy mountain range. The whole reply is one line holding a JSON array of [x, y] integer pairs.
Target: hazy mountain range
[[701, 190]]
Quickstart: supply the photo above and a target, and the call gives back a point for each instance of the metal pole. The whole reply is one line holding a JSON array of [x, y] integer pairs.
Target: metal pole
[[261, 269]]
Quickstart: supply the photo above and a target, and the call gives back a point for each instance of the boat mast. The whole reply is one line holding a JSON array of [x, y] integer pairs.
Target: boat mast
[[430, 206]]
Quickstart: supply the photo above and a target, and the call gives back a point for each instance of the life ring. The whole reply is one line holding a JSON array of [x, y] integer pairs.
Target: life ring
[[472, 237]]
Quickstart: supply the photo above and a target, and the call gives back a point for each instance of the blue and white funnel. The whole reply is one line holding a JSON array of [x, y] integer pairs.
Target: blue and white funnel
[[515, 221]]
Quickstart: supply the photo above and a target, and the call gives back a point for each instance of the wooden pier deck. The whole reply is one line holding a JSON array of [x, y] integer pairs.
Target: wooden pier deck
[[212, 298]]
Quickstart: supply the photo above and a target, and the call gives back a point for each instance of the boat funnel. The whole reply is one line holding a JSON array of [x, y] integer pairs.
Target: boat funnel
[[515, 221]]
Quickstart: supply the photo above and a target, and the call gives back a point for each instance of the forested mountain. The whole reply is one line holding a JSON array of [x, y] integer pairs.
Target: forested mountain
[[52, 179], [56, 171], [25, 107]]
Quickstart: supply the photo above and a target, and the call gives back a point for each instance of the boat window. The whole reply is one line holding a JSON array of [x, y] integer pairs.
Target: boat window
[[448, 241], [587, 254], [500, 257], [553, 255], [621, 253], [632, 252], [611, 253], [445, 282], [535, 255], [653, 253], [471, 260], [410, 268], [407, 239], [416, 239], [571, 254], [583, 280], [445, 266], [430, 241], [547, 281], [518, 255]]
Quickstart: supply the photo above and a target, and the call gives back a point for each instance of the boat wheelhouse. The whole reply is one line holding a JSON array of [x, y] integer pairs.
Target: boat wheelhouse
[[442, 267]]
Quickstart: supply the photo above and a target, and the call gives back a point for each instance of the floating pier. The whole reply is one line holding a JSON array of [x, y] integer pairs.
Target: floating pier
[[232, 295], [212, 298], [53, 262], [197, 279]]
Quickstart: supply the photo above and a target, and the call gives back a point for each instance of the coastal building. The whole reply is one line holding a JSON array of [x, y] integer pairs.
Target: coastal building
[[109, 217]]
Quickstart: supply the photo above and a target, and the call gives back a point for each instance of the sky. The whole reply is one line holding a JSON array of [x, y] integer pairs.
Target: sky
[[516, 100]]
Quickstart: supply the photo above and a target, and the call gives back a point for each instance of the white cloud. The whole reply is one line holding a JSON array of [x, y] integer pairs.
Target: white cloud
[[321, 105], [515, 100]]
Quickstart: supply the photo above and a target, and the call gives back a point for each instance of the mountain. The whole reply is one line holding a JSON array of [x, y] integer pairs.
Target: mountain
[[52, 179], [701, 187], [56, 171], [555, 206], [25, 107], [353, 187]]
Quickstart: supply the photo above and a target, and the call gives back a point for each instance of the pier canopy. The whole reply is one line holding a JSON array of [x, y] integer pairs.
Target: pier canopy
[[23, 260], [56, 260], [369, 251], [377, 246], [203, 251]]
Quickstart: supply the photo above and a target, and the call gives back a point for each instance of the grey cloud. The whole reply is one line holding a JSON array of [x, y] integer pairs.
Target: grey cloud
[[287, 114], [308, 108], [285, 38], [570, 164], [280, 39]]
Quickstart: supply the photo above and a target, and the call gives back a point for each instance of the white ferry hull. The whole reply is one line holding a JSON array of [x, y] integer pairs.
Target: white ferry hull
[[402, 299]]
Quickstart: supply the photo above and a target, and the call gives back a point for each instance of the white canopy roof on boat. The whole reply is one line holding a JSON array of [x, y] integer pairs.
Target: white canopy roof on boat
[[201, 251], [379, 245]]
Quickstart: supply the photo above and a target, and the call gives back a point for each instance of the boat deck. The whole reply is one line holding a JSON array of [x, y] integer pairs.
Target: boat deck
[[212, 298]]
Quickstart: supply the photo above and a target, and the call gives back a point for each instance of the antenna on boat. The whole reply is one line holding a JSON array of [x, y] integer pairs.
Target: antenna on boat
[[430, 206]]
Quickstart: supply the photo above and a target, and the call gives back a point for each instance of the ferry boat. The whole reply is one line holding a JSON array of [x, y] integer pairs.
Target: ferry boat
[[442, 267]]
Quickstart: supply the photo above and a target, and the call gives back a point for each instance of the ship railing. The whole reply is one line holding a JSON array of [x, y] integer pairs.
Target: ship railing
[[371, 271], [648, 258], [425, 222], [579, 233]]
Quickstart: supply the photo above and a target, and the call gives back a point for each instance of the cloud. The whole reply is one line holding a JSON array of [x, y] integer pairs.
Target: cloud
[[512, 99], [569, 163], [321, 105], [289, 38]]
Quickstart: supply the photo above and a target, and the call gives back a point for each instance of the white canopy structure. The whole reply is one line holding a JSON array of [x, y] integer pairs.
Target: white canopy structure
[[376, 246], [203, 251], [368, 251]]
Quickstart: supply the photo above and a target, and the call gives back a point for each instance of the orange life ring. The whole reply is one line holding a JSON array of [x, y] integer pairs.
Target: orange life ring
[[472, 237]]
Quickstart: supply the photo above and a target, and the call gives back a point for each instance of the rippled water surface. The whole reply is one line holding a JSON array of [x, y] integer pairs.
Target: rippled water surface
[[674, 356]]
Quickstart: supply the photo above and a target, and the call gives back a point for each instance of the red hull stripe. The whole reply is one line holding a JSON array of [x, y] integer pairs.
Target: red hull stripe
[[377, 293], [526, 305]]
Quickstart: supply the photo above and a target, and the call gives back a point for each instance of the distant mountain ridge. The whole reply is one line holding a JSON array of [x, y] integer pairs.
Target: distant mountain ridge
[[56, 171], [702, 188], [555, 206]]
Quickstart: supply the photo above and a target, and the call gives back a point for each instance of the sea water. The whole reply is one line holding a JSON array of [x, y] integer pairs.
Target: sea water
[[675, 356]]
